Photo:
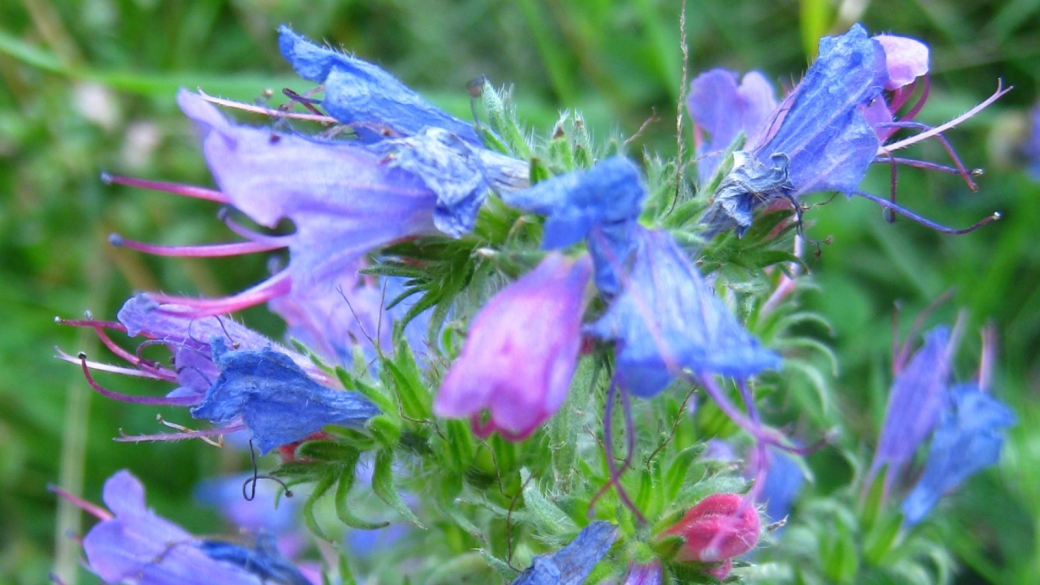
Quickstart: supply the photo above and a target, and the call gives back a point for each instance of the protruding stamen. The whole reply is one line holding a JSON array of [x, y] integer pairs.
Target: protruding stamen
[[219, 443], [184, 401], [276, 286], [928, 166], [961, 170], [923, 221], [944, 127], [115, 325], [920, 101], [175, 188], [90, 507], [124, 438], [265, 111], [202, 251]]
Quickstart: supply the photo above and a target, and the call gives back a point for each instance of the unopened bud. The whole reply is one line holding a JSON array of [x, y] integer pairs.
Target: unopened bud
[[720, 527]]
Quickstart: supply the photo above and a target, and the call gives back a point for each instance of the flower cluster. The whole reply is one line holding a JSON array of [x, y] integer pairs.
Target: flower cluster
[[437, 271]]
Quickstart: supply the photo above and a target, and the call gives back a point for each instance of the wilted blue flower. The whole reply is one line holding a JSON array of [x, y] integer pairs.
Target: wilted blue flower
[[724, 109], [571, 564], [264, 561], [914, 404], [134, 545], [361, 94], [969, 438], [666, 319], [520, 352], [601, 205], [275, 399]]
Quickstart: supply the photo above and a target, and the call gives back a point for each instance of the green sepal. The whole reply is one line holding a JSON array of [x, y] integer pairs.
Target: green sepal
[[668, 546], [538, 170], [325, 452], [879, 539], [343, 511], [383, 486], [322, 486], [458, 569], [385, 429], [678, 469]]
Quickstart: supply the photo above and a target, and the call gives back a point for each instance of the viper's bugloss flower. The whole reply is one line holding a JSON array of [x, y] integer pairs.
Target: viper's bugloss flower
[[601, 205], [644, 574], [365, 96], [915, 402], [520, 352], [825, 134], [132, 544], [968, 438], [572, 564], [666, 319], [188, 338], [724, 109], [275, 399], [718, 528], [343, 199]]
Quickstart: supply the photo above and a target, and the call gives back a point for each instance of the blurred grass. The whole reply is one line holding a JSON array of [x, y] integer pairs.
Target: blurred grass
[[88, 86]]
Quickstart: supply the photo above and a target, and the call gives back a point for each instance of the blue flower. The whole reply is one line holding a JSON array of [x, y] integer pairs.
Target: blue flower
[[361, 94], [969, 438], [914, 405], [717, 104], [275, 399], [644, 574], [572, 564], [817, 139], [1031, 146], [601, 205], [784, 481], [133, 544], [666, 319], [520, 352]]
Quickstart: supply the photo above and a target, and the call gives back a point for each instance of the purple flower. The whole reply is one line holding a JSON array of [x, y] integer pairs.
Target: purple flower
[[717, 104], [343, 199], [277, 395], [968, 438], [361, 94], [666, 319], [521, 351], [275, 399], [906, 60], [133, 544], [601, 204], [188, 338], [914, 405], [572, 564]]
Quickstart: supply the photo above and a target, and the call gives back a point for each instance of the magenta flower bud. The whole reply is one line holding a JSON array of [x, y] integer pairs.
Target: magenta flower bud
[[521, 351], [718, 528]]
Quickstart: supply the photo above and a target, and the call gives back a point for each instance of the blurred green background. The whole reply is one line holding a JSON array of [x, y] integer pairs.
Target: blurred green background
[[89, 86]]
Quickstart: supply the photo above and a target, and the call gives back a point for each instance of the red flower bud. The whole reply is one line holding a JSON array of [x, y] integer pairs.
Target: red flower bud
[[718, 528]]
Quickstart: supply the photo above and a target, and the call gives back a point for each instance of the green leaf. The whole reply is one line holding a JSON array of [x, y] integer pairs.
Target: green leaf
[[383, 486], [549, 517]]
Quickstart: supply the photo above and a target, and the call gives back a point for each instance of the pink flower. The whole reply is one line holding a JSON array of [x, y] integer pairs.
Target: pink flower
[[521, 352]]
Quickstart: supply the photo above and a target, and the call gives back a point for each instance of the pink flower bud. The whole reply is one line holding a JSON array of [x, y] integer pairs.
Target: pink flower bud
[[718, 528]]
